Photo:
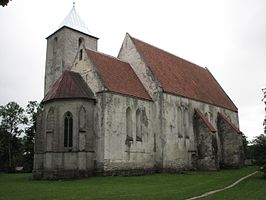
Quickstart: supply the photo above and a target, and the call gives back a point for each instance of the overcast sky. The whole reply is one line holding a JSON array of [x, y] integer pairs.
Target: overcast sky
[[226, 36]]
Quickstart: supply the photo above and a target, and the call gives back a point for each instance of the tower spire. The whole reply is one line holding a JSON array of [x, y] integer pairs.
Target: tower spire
[[73, 20]]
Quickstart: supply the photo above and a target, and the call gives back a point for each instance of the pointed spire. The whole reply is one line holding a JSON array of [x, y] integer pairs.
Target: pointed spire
[[73, 20]]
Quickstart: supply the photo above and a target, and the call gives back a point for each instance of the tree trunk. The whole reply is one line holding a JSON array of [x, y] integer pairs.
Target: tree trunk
[[9, 153]]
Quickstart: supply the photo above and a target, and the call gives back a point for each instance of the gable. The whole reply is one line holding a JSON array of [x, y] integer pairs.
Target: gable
[[180, 77], [117, 76]]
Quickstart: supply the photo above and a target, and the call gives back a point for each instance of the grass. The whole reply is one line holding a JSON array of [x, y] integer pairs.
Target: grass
[[253, 188], [156, 186]]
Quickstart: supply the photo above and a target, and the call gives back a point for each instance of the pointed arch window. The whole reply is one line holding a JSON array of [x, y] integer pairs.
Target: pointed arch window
[[138, 126], [129, 124], [81, 41], [68, 129]]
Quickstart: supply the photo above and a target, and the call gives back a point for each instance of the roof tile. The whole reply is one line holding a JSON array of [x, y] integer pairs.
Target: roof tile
[[181, 77], [118, 76]]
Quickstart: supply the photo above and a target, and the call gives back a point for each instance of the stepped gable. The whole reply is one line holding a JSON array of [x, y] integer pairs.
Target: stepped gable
[[70, 85], [183, 78], [117, 75]]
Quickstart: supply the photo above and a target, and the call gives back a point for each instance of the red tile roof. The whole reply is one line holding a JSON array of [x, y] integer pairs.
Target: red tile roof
[[205, 120], [118, 76], [229, 123], [69, 85], [181, 77]]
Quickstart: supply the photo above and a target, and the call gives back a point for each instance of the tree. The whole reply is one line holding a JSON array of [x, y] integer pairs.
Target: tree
[[28, 140], [12, 117], [259, 151], [4, 2]]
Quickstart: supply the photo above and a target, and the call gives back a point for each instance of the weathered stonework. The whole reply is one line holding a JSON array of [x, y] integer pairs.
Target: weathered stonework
[[231, 145], [62, 48], [120, 134]]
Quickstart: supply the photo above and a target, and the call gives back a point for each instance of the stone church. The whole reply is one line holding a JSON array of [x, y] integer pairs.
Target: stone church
[[145, 111]]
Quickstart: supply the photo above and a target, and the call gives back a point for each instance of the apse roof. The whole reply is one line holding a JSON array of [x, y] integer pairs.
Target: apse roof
[[74, 21], [183, 78], [70, 85]]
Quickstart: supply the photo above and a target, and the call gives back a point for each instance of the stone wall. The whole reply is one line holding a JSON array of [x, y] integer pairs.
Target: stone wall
[[123, 152], [206, 155], [51, 156], [231, 145], [62, 48]]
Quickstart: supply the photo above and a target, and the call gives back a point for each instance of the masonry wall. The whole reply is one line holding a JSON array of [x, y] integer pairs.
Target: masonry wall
[[231, 146], [205, 157], [179, 142], [123, 156], [51, 159], [62, 48]]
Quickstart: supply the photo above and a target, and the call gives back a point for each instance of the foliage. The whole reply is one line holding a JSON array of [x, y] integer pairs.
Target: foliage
[[259, 151], [14, 149], [4, 2], [154, 187], [12, 117], [28, 140]]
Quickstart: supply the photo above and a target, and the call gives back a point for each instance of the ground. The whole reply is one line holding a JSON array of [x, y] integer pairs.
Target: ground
[[156, 186]]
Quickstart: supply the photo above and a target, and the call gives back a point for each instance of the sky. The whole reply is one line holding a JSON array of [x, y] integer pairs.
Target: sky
[[226, 36]]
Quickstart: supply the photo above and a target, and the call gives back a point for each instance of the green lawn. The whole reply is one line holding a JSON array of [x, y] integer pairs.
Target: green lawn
[[157, 186], [252, 188]]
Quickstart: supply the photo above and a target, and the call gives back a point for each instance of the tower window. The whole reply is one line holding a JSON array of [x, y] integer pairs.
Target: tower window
[[81, 40], [80, 54], [68, 130]]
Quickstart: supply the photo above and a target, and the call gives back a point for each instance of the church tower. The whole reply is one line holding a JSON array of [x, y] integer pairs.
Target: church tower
[[63, 44]]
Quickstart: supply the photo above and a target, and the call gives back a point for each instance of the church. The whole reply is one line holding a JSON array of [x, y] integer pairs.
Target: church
[[141, 112]]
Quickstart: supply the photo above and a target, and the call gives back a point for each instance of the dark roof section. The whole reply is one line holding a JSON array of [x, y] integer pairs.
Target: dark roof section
[[229, 123], [70, 85], [205, 120], [118, 76], [183, 78], [72, 30]]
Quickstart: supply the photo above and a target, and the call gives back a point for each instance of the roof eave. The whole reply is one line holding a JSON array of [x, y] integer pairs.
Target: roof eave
[[73, 30]]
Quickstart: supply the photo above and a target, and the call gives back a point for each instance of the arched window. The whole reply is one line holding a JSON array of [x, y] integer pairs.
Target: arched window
[[138, 126], [81, 40], [68, 130], [129, 124], [186, 122], [179, 122]]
